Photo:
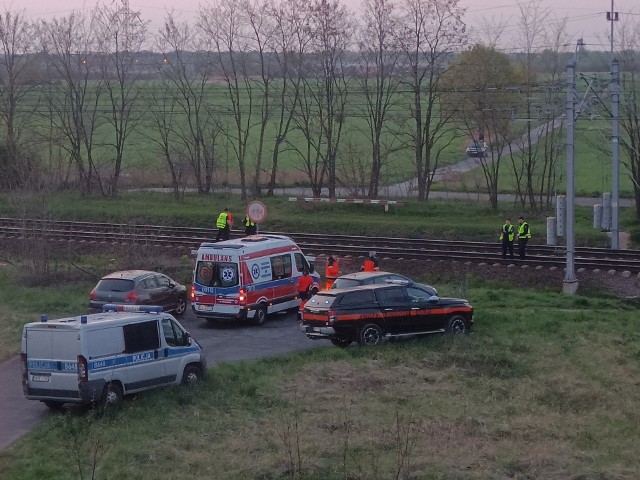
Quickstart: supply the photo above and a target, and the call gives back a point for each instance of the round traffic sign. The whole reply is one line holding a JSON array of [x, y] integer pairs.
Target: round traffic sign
[[257, 211]]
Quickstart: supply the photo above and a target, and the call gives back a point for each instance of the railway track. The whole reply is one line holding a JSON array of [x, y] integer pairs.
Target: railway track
[[189, 238]]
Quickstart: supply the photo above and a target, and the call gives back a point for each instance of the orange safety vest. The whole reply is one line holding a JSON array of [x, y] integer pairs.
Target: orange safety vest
[[332, 271]]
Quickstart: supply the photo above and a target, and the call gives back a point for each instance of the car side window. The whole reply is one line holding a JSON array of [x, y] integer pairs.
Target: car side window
[[162, 281], [417, 295], [357, 298], [391, 296], [381, 279], [149, 283], [173, 335]]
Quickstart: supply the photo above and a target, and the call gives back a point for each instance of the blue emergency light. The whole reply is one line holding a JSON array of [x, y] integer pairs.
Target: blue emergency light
[[111, 307]]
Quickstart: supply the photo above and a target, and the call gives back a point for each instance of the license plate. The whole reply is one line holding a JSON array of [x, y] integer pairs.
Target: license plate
[[205, 308], [40, 378]]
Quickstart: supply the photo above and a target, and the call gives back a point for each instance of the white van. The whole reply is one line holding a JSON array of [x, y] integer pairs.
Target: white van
[[103, 356], [248, 277]]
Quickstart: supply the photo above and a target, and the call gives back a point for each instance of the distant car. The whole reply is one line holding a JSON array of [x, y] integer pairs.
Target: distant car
[[139, 287], [357, 279], [477, 149], [371, 313]]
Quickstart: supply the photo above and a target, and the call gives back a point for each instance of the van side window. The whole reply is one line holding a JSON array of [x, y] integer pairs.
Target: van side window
[[281, 266], [139, 337], [301, 262], [173, 335]]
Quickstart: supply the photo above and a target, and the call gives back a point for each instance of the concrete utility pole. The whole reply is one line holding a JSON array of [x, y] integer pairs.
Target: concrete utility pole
[[615, 150], [612, 17], [570, 283]]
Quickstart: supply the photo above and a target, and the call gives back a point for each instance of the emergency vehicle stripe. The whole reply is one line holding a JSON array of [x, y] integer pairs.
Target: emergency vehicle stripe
[[137, 358], [379, 315], [48, 365]]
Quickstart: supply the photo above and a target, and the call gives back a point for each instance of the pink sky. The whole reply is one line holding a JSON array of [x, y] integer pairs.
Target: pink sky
[[586, 18]]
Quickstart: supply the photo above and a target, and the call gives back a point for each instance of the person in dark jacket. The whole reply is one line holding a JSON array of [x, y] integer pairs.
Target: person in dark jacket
[[506, 237], [524, 234], [224, 224], [250, 228]]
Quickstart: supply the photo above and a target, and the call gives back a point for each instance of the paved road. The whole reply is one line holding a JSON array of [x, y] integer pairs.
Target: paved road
[[226, 343]]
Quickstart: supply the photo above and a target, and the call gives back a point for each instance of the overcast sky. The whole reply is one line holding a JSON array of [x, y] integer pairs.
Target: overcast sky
[[585, 18]]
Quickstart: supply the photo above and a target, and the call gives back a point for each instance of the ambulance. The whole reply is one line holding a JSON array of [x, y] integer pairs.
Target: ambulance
[[98, 358], [248, 278]]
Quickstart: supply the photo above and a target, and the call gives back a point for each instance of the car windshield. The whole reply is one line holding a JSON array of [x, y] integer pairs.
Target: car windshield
[[115, 285], [346, 283]]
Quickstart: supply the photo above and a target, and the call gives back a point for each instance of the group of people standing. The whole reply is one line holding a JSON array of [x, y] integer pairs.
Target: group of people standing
[[224, 223], [508, 234]]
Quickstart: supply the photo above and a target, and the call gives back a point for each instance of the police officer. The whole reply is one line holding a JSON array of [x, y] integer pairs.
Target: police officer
[[506, 237], [250, 228], [224, 224], [524, 234]]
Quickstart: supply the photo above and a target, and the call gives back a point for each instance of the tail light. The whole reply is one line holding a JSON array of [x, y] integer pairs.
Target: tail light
[[83, 372], [92, 295], [132, 296], [23, 364], [193, 293], [332, 316], [242, 296]]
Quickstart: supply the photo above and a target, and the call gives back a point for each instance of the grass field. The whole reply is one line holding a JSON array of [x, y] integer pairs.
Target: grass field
[[462, 220], [545, 387]]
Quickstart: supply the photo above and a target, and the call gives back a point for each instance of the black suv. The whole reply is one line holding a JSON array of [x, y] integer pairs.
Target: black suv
[[357, 279], [370, 313], [139, 287]]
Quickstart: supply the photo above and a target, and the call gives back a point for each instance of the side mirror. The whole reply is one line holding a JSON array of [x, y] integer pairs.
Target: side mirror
[[434, 299], [171, 284], [186, 339], [311, 268]]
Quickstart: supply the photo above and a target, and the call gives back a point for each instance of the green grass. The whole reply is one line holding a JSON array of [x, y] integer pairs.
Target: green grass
[[462, 220], [545, 387]]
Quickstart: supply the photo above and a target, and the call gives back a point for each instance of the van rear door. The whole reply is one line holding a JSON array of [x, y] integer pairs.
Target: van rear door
[[52, 361]]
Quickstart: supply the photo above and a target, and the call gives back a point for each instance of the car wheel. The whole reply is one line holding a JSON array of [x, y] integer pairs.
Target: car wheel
[[54, 405], [456, 325], [192, 374], [342, 342], [261, 314], [112, 394], [181, 307], [370, 334]]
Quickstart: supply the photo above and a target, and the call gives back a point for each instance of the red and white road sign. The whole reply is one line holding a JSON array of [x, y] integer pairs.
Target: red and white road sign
[[257, 211]]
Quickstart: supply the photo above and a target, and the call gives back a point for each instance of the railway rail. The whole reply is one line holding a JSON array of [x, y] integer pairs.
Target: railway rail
[[189, 238]]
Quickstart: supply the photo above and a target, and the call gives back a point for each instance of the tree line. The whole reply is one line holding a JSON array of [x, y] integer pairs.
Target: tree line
[[292, 71]]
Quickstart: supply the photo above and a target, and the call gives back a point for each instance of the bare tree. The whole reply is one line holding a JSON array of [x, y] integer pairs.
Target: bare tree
[[379, 80], [196, 132], [490, 31], [288, 46], [16, 41], [629, 44], [225, 23], [121, 33], [432, 30], [75, 89], [330, 28], [482, 94]]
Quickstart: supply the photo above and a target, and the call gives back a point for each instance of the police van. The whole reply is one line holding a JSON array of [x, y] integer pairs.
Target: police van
[[248, 278], [101, 357]]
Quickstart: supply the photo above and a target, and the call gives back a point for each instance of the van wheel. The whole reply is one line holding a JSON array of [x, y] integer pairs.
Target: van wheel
[[54, 405], [370, 334], [261, 314], [192, 374], [181, 307], [112, 394]]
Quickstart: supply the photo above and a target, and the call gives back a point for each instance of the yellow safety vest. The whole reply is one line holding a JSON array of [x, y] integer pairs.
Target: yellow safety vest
[[509, 230], [222, 220], [524, 231]]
